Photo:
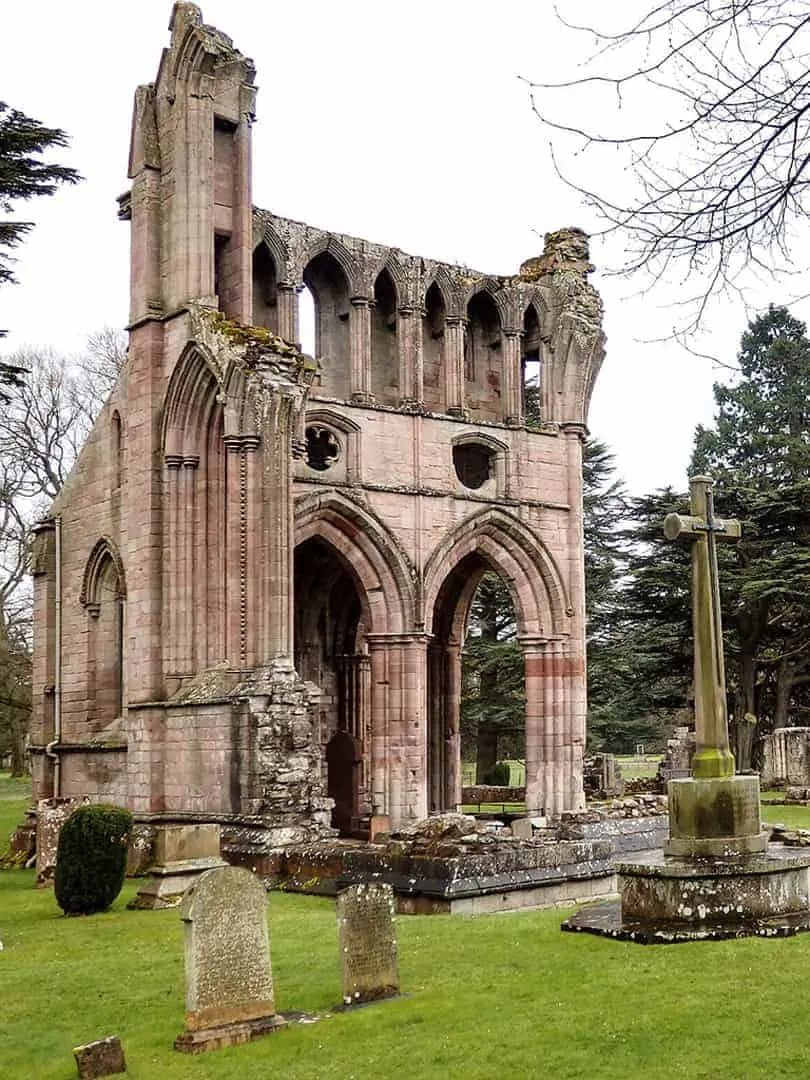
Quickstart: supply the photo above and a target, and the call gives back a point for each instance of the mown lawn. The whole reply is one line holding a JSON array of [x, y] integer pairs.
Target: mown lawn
[[493, 996]]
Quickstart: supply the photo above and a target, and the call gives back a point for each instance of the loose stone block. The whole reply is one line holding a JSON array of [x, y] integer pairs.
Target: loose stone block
[[368, 943], [182, 854], [229, 985], [105, 1057]]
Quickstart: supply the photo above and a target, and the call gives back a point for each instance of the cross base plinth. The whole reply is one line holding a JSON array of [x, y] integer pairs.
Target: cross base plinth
[[714, 818]]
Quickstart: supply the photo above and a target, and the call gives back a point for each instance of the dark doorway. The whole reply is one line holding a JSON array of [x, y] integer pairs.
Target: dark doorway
[[329, 652]]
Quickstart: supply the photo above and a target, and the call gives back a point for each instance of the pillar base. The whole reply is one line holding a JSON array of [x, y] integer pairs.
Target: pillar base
[[717, 818]]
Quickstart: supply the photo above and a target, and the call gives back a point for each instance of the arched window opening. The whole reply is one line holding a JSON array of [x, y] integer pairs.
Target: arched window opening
[[483, 358], [327, 282], [493, 690], [384, 347], [104, 601], [433, 350], [323, 447], [265, 290], [476, 684], [116, 447], [473, 463], [530, 369], [306, 322]]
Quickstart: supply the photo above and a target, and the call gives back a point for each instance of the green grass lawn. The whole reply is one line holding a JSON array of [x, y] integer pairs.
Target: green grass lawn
[[638, 768], [493, 996]]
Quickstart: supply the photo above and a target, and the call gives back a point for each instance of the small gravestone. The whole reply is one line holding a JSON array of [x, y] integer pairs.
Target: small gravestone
[[51, 816], [368, 943], [105, 1057], [229, 985]]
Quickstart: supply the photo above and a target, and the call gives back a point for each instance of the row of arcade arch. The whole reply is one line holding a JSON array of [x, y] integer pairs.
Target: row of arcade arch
[[335, 325]]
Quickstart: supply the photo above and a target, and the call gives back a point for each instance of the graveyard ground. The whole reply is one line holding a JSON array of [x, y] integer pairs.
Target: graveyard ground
[[489, 996]]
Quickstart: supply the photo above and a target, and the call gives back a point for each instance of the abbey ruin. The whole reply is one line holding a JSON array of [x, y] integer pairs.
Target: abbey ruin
[[251, 595]]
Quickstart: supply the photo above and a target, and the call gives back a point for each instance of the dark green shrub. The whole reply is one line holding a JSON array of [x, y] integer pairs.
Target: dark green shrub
[[91, 858], [498, 775]]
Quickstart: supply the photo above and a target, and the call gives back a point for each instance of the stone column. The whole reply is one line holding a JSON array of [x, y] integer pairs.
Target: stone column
[[287, 307], [171, 611], [360, 348], [279, 410], [186, 579], [576, 686], [399, 725], [454, 363], [452, 726], [235, 541], [252, 593], [409, 340], [512, 386], [539, 736]]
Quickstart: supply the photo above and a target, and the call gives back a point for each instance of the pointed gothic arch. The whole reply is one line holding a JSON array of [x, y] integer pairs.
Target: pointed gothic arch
[[370, 549], [521, 558]]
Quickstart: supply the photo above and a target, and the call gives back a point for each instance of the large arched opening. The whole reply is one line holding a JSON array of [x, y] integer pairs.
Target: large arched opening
[[329, 648], [476, 681]]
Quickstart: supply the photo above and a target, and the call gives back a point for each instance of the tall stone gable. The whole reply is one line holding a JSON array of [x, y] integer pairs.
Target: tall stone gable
[[251, 595]]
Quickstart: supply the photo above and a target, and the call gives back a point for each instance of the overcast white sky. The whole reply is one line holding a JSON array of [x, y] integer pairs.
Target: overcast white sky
[[404, 124]]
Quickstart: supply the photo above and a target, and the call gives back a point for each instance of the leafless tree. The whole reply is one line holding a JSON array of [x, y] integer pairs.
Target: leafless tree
[[711, 116], [47, 415]]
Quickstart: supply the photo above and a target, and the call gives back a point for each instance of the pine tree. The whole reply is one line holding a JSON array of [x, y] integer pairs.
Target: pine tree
[[24, 175]]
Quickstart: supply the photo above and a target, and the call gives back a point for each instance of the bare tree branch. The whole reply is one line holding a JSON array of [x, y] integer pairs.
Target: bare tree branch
[[721, 174]]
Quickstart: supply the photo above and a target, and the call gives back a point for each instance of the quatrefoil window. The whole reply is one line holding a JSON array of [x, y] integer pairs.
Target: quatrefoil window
[[323, 448]]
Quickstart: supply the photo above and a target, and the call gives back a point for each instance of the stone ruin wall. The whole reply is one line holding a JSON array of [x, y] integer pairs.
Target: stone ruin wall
[[420, 365]]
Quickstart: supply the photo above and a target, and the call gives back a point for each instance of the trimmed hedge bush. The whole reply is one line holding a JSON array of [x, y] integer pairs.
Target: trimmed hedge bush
[[499, 774], [91, 858]]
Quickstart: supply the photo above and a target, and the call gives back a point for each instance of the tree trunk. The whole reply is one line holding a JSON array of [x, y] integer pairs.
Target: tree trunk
[[486, 751], [18, 750], [784, 684]]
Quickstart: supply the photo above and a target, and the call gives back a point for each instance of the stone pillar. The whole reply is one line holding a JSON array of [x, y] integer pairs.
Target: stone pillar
[[43, 673], [279, 410], [186, 577], [399, 725], [553, 750], [235, 550], [360, 348], [171, 611], [512, 386], [144, 211], [409, 340], [240, 304], [252, 593], [452, 730], [287, 307], [454, 363], [576, 685]]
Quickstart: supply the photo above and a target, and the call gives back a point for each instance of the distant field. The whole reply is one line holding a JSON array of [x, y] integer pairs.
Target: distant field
[[638, 767]]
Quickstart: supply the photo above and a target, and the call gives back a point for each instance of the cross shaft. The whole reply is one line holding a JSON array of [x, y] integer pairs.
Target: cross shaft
[[713, 757]]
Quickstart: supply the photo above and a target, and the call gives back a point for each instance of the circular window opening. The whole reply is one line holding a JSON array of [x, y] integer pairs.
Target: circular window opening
[[473, 463], [323, 448]]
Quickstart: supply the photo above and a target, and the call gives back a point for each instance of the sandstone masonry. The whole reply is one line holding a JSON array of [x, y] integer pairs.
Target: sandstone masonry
[[251, 595]]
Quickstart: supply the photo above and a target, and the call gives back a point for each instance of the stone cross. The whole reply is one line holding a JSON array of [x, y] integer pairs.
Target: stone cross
[[713, 758]]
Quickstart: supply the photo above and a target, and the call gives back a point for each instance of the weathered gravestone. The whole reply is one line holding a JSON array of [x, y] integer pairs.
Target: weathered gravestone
[[51, 816], [229, 984], [105, 1057], [368, 943]]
